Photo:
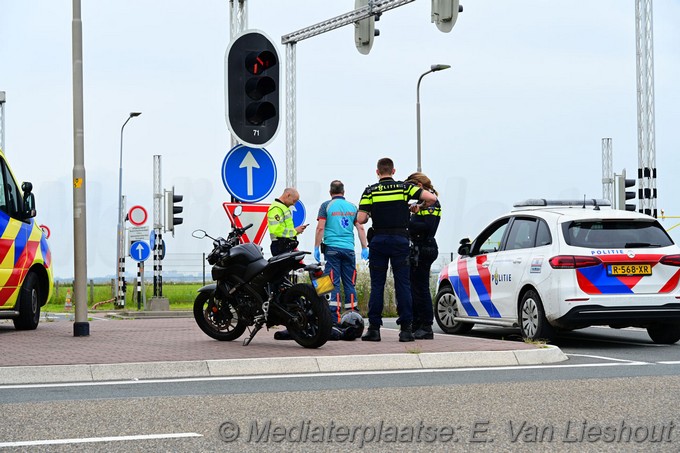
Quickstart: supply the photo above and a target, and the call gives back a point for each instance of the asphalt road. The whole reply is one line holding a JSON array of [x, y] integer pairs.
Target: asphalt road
[[618, 392]]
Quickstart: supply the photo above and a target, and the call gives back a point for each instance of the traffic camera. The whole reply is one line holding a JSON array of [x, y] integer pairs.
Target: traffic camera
[[445, 13]]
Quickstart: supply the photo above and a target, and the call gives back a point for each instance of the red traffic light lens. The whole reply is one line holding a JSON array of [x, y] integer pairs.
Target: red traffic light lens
[[258, 62]]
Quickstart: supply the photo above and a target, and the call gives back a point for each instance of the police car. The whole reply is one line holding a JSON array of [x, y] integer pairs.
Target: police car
[[25, 257], [562, 265]]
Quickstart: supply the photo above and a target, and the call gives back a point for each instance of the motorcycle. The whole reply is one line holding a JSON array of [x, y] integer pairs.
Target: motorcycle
[[251, 292]]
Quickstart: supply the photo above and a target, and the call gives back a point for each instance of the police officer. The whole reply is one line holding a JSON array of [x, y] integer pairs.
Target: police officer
[[386, 202], [421, 228], [283, 232]]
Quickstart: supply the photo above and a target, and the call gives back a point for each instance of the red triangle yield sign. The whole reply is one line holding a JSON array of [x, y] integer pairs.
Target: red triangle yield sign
[[255, 213]]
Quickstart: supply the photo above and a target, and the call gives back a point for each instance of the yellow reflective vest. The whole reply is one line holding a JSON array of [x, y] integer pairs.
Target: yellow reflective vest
[[280, 221]]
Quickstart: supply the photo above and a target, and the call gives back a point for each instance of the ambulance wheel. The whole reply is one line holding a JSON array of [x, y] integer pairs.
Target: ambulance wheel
[[661, 333], [532, 318], [445, 309], [29, 304]]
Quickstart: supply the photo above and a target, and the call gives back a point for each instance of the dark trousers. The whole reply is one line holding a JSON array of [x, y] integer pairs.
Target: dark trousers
[[385, 250], [423, 315]]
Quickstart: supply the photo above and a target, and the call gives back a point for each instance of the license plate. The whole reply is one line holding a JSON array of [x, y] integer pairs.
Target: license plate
[[323, 284], [629, 269]]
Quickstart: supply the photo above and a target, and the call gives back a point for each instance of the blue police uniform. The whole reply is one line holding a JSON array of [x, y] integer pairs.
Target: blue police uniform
[[387, 203]]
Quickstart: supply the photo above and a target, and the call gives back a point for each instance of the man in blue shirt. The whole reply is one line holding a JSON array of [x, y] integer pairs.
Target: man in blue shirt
[[337, 219]]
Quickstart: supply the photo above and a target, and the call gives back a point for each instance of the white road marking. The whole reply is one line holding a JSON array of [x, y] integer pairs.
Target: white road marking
[[605, 358], [84, 440], [671, 362]]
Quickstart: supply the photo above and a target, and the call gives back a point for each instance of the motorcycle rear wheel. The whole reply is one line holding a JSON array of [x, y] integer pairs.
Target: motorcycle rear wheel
[[315, 326], [218, 320]]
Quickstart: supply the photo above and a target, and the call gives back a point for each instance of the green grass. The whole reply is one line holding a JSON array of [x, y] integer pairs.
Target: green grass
[[182, 295]]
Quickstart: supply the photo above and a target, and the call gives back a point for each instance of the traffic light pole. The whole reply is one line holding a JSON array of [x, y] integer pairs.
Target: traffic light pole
[[374, 8]]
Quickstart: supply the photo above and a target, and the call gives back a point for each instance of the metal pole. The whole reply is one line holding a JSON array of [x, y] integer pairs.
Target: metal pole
[[433, 68], [81, 327], [120, 272]]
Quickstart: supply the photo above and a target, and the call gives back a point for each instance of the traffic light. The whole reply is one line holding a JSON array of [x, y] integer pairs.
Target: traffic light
[[364, 30], [624, 195], [171, 210], [445, 13], [252, 74]]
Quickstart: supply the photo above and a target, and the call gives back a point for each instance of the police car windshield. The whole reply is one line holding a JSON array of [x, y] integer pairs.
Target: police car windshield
[[615, 234]]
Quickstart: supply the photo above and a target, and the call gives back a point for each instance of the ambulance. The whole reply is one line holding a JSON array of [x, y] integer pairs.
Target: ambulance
[[25, 258]]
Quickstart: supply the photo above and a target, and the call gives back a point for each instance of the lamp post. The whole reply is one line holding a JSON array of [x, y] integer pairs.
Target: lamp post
[[433, 68], [120, 295]]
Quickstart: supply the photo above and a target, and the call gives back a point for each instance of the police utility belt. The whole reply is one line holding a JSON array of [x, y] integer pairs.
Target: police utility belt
[[389, 231]]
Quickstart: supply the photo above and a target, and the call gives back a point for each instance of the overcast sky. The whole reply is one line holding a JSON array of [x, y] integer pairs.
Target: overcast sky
[[533, 89]]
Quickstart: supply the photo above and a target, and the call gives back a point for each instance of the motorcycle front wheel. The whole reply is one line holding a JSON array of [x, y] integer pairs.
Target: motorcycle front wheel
[[217, 319], [313, 324]]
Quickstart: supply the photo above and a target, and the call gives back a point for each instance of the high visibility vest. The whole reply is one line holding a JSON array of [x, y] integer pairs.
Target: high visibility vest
[[280, 221]]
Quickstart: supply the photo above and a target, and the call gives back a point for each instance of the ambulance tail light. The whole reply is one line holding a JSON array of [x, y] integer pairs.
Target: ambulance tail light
[[573, 261], [670, 260]]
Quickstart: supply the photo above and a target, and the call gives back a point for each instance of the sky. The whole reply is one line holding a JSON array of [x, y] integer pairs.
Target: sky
[[532, 90]]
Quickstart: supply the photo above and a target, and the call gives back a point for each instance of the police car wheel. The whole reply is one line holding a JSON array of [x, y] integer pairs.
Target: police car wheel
[[662, 333], [29, 304], [445, 309], [533, 322]]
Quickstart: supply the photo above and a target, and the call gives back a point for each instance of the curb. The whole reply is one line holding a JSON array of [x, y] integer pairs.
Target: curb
[[272, 366]]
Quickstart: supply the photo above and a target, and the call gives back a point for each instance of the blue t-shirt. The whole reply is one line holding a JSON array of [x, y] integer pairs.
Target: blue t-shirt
[[340, 216]]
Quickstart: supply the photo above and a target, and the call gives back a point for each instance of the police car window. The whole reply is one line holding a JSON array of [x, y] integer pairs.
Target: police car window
[[618, 233], [543, 236], [522, 234], [490, 239]]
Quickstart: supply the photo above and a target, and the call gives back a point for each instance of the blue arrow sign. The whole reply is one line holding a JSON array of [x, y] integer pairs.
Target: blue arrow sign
[[140, 251], [249, 174], [299, 213]]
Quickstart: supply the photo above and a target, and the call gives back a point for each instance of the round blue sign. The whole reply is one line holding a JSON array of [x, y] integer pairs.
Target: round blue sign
[[140, 251], [299, 213], [249, 174]]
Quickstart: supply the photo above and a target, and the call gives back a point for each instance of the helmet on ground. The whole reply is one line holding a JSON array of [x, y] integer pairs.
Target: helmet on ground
[[352, 325]]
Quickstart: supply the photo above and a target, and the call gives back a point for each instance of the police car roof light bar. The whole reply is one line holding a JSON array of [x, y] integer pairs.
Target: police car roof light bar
[[542, 202]]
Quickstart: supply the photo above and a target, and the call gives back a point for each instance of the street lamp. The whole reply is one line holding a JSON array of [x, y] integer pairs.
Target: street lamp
[[120, 295], [433, 68]]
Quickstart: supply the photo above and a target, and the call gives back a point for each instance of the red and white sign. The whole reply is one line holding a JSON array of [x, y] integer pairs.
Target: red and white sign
[[137, 215], [255, 213]]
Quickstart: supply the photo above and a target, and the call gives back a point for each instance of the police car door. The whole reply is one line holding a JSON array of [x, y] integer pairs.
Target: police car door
[[474, 288], [511, 264]]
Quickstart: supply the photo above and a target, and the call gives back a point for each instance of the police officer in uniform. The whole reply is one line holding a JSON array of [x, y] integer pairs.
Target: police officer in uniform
[[422, 228], [386, 202], [283, 232]]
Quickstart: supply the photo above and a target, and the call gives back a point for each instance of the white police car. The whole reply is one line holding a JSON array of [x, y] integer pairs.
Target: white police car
[[562, 265]]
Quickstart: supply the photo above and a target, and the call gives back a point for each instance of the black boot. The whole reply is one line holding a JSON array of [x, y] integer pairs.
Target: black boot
[[372, 334], [406, 334], [424, 333]]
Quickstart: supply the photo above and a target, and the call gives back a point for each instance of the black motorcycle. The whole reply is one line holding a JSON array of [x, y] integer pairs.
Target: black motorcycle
[[251, 292]]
